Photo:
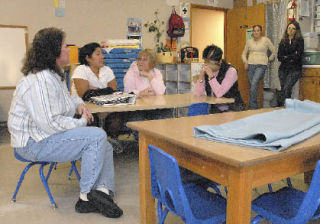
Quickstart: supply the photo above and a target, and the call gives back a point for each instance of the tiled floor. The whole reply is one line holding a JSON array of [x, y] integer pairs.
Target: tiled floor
[[32, 206]]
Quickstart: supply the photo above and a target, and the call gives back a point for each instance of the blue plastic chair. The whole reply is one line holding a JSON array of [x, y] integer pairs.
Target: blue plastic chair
[[194, 204], [289, 205], [44, 178], [198, 109]]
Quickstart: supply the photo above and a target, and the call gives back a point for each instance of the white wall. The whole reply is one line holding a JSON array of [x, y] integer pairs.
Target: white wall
[[84, 21]]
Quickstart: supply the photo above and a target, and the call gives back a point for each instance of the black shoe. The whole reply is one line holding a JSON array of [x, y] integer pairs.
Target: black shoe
[[105, 204], [85, 207]]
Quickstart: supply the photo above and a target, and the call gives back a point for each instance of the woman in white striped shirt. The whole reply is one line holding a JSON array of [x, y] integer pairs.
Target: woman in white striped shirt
[[43, 128]]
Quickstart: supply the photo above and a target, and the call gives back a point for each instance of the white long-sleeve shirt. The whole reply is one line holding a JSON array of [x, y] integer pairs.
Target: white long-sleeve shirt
[[41, 106]]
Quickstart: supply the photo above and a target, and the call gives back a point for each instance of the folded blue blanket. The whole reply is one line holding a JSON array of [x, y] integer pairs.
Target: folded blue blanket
[[276, 130]]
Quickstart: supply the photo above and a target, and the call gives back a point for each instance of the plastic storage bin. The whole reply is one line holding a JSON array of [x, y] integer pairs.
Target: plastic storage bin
[[311, 57]]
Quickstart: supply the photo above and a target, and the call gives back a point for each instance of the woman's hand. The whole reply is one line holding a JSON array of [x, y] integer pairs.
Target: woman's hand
[[208, 71], [146, 74], [245, 66], [201, 75], [85, 113], [146, 92]]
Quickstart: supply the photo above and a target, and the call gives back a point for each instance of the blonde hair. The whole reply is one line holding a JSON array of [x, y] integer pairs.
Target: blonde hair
[[151, 54]]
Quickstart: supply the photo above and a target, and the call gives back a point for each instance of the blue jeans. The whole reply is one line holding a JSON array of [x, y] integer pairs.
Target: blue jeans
[[288, 79], [255, 74], [86, 143]]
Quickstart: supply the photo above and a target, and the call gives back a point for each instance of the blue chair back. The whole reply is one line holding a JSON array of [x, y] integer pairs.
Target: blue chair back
[[198, 109], [289, 205], [311, 200], [166, 184]]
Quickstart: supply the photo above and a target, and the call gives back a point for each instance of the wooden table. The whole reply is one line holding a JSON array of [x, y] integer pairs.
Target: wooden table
[[159, 102], [239, 168]]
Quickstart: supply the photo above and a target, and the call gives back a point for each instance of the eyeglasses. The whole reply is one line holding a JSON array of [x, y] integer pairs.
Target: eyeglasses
[[143, 59]]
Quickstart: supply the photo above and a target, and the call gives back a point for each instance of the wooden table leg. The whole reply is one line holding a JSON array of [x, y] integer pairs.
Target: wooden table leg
[[147, 202], [239, 196]]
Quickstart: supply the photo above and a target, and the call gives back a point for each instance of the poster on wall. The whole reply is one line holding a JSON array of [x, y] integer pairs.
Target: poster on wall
[[59, 8], [249, 34], [134, 27]]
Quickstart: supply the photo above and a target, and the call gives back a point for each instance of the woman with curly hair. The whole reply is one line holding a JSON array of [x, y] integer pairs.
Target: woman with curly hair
[[290, 54], [43, 128]]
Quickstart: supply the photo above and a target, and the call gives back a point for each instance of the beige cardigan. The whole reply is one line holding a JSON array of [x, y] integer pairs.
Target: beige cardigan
[[255, 52]]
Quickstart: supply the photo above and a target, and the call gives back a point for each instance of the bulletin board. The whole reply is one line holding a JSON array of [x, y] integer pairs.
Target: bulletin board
[[13, 45]]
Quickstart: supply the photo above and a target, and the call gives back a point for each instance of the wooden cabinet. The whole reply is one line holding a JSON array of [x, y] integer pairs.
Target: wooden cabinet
[[310, 84], [177, 77]]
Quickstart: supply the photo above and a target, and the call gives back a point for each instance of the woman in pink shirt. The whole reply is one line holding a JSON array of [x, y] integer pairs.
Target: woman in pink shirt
[[218, 78], [143, 78]]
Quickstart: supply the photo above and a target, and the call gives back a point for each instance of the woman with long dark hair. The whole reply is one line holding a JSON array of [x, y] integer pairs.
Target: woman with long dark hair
[[218, 78], [93, 75], [290, 54], [43, 128]]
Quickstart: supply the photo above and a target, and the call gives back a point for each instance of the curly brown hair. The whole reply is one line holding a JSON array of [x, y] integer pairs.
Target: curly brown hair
[[44, 50]]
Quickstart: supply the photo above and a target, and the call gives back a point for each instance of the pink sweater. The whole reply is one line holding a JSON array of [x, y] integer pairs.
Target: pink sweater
[[133, 82], [218, 89]]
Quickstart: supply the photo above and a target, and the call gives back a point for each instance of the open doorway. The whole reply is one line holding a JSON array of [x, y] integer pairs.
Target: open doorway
[[207, 26]]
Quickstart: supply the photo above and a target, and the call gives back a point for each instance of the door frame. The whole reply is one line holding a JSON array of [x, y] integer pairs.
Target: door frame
[[197, 6]]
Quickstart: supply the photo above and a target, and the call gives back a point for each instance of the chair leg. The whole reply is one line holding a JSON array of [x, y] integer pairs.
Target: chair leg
[[25, 170], [289, 182], [70, 172], [162, 214], [45, 184], [74, 168], [256, 219], [52, 165]]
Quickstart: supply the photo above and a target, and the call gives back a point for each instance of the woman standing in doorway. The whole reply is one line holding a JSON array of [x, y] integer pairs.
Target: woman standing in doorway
[[290, 54], [255, 59]]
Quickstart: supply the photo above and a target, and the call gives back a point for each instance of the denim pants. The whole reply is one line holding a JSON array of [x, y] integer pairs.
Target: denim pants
[[86, 143], [288, 79], [255, 74]]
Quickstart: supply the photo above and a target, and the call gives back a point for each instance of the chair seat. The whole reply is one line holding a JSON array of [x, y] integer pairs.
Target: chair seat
[[279, 206], [205, 205], [18, 157]]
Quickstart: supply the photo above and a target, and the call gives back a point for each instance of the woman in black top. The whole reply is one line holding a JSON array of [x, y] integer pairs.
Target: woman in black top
[[290, 55]]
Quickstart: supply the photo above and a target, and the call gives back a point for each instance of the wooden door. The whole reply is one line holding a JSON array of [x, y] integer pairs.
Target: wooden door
[[238, 21]]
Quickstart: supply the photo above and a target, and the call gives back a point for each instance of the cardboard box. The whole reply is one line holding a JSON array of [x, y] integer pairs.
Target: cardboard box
[[73, 54], [165, 58]]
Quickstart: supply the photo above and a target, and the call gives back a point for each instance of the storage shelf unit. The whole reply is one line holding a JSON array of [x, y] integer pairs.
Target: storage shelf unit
[[177, 77]]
